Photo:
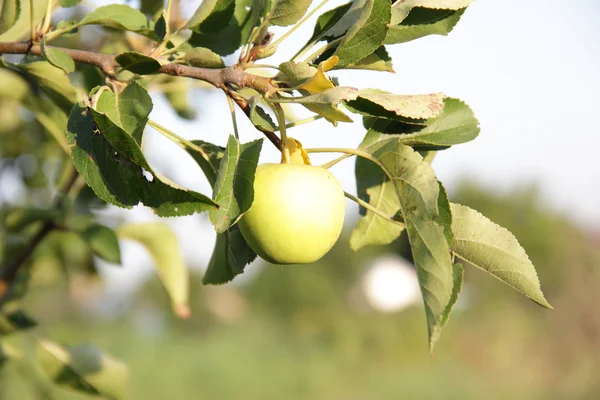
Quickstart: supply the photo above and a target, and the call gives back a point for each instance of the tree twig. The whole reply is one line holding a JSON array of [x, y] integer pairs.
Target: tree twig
[[219, 77], [222, 78], [9, 271], [245, 107]]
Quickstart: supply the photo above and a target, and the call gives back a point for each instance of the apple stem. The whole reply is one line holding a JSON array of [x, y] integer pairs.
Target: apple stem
[[285, 151], [233, 119]]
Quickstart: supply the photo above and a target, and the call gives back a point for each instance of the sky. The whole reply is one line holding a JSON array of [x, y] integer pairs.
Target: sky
[[528, 69]]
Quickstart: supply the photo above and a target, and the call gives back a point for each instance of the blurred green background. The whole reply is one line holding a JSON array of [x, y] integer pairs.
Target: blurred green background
[[310, 333]]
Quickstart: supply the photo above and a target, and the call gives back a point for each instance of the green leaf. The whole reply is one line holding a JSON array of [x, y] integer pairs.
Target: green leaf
[[203, 57], [377, 103], [129, 110], [288, 12], [326, 21], [112, 164], [17, 24], [15, 321], [209, 160], [230, 257], [401, 9], [445, 214], [356, 11], [378, 61], [494, 249], [178, 97], [434, 270], [231, 253], [67, 28], [423, 22], [53, 81], [456, 124], [160, 26], [211, 16], [103, 242], [458, 276], [13, 86], [234, 190], [151, 7], [120, 16], [68, 3], [161, 242], [367, 33], [233, 35], [418, 191], [20, 218], [84, 368], [138, 63], [298, 73], [329, 112], [9, 13], [331, 96], [374, 187], [259, 117], [58, 58]]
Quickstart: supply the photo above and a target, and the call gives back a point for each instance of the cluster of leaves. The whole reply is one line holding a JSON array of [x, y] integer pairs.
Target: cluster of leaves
[[105, 117]]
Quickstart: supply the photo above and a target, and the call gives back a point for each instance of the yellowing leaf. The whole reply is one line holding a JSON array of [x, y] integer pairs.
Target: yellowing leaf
[[409, 106], [331, 96], [309, 77], [297, 153], [84, 368], [162, 244], [401, 9], [320, 81], [329, 64]]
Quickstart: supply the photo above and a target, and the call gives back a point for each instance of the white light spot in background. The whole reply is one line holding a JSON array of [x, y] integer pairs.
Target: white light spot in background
[[391, 284]]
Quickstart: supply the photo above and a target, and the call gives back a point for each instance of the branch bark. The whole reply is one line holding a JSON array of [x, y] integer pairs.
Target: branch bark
[[107, 63], [222, 78], [9, 271], [245, 107]]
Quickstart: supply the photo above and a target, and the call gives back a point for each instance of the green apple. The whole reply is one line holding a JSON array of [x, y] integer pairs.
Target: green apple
[[297, 213]]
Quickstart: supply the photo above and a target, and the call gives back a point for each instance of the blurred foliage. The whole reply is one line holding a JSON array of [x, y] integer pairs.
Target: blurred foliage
[[308, 333]]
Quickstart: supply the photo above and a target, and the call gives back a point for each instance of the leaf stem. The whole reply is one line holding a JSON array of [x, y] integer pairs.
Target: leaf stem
[[362, 154], [168, 18], [285, 151], [355, 152], [301, 122], [291, 99], [374, 210], [331, 163], [251, 66], [172, 136], [298, 24], [47, 17], [174, 50], [233, 119], [251, 39], [322, 49], [31, 21]]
